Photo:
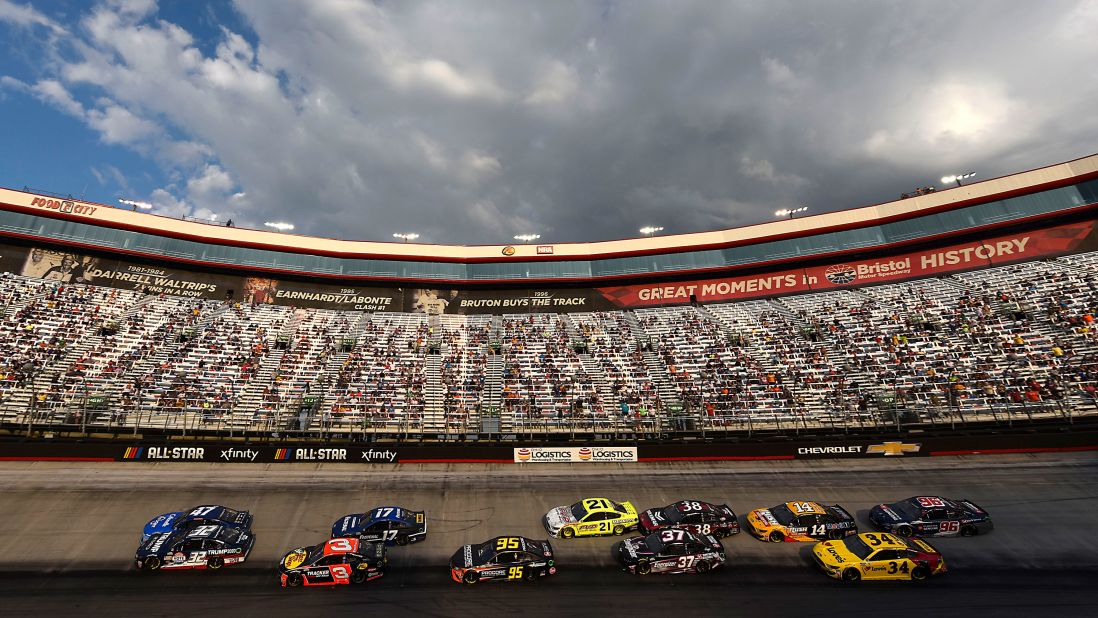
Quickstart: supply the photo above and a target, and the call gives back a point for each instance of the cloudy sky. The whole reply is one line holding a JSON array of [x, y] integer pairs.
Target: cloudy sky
[[469, 122]]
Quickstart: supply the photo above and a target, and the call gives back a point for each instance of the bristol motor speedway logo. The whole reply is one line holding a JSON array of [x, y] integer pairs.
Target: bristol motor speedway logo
[[841, 274]]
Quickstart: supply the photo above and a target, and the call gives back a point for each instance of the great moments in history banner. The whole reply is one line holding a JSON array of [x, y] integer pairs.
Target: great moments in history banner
[[71, 267]]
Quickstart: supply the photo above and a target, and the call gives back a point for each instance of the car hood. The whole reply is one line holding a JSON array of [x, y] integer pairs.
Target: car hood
[[348, 525], [559, 516], [763, 518], [834, 553], [462, 558], [160, 523]]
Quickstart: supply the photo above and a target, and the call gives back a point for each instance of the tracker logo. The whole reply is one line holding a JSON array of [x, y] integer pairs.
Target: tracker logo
[[237, 454], [841, 274]]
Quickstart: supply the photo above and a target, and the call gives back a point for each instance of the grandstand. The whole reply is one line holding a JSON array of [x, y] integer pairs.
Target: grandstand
[[874, 317]]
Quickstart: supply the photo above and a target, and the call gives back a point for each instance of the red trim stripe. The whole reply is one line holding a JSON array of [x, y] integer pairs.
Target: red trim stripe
[[403, 461], [719, 458], [57, 459], [1006, 451]]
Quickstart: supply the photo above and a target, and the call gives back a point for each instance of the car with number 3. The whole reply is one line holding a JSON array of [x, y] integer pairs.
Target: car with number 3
[[332, 563], [504, 558], [669, 550], [801, 521], [693, 515], [931, 516], [197, 516], [209, 547], [877, 556], [591, 517], [392, 525]]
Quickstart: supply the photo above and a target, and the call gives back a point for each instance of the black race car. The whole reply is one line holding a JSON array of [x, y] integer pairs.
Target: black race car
[[391, 525], [504, 558], [195, 517], [693, 515], [210, 546], [670, 550], [333, 562], [931, 516]]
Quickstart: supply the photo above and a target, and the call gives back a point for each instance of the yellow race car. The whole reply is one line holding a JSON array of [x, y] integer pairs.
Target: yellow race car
[[591, 517], [878, 555], [801, 521]]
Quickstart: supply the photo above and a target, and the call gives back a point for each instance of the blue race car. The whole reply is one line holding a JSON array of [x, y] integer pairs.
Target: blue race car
[[198, 516], [391, 525], [208, 547]]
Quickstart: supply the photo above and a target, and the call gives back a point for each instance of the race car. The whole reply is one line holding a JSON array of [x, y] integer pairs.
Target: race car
[[590, 517], [878, 555], [210, 546], [931, 516], [391, 525], [670, 550], [333, 562], [693, 515], [195, 517], [801, 521], [507, 558]]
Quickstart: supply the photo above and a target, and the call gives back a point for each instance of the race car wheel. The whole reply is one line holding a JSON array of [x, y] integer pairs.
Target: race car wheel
[[904, 530], [619, 530], [152, 563], [358, 576], [644, 568], [776, 537], [835, 535], [568, 533], [293, 580], [470, 577], [531, 575], [919, 573], [704, 567], [968, 531], [402, 540], [851, 575], [215, 563]]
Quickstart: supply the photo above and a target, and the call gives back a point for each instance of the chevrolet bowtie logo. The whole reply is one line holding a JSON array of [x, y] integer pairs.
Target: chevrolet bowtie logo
[[888, 449]]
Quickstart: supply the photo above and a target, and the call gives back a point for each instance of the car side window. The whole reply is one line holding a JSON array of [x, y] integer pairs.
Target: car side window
[[507, 557], [935, 514], [885, 554], [211, 544], [192, 545]]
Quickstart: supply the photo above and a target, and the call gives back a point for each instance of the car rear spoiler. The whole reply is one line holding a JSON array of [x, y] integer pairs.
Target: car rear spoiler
[[972, 504], [845, 514]]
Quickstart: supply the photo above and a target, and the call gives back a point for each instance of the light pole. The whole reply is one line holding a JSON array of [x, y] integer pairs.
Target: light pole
[[281, 226], [957, 178], [790, 212], [650, 230], [525, 238], [406, 236], [134, 204]]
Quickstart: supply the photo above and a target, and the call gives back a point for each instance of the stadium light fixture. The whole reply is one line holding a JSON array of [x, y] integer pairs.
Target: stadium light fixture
[[957, 178], [135, 204], [281, 226], [527, 237], [651, 229], [406, 236], [790, 212]]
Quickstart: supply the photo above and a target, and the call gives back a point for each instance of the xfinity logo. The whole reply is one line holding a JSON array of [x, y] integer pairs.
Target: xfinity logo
[[384, 456], [235, 454], [829, 450]]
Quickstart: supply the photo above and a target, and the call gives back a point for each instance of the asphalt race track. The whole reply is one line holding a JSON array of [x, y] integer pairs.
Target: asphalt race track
[[68, 532]]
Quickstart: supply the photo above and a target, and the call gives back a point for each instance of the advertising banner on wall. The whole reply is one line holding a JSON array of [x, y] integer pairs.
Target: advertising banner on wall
[[72, 267], [576, 454]]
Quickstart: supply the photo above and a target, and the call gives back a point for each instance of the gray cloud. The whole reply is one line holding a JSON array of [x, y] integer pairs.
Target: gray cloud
[[470, 122]]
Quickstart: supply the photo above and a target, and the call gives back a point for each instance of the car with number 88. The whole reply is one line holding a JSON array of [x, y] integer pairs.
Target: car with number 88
[[801, 521], [878, 556], [693, 515], [504, 558], [670, 550]]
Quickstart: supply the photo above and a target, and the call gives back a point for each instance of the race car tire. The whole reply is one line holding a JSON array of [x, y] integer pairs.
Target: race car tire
[[968, 531], [704, 566], [402, 540], [470, 577], [567, 533], [293, 580], [531, 575], [919, 573], [852, 575], [904, 530], [358, 576], [644, 568], [152, 563], [776, 537], [834, 535], [215, 563], [619, 530]]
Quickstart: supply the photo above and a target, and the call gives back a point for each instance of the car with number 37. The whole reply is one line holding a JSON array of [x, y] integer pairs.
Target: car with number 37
[[670, 550]]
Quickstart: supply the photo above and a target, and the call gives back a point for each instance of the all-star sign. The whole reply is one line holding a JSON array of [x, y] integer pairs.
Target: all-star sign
[[577, 454]]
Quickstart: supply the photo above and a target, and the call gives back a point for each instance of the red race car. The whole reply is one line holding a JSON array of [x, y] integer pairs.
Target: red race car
[[337, 561]]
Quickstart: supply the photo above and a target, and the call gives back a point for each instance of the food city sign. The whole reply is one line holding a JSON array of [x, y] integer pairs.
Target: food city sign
[[577, 454]]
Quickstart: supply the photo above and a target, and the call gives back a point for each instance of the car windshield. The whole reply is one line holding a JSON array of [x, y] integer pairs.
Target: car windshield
[[858, 547], [908, 508], [654, 543], [782, 514], [672, 513], [229, 515], [578, 511], [485, 552], [229, 535]]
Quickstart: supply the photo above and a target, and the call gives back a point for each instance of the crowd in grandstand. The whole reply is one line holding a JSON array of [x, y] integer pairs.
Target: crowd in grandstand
[[1020, 337]]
